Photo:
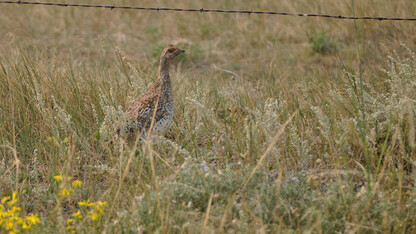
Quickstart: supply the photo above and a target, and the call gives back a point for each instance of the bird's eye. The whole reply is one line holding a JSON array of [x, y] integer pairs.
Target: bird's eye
[[170, 50]]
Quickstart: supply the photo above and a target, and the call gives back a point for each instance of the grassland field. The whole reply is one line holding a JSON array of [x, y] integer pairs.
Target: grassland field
[[282, 124]]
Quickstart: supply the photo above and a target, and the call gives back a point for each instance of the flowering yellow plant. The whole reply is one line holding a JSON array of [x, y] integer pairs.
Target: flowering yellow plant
[[76, 184], [10, 219], [94, 211], [65, 192], [89, 212], [57, 178], [86, 203]]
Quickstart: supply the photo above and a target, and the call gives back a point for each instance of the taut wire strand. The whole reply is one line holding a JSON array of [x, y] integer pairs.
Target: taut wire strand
[[202, 10]]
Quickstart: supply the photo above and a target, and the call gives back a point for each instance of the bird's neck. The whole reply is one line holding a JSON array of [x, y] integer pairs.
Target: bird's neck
[[164, 77]]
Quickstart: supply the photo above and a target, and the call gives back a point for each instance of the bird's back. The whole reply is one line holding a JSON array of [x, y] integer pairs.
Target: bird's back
[[142, 111]]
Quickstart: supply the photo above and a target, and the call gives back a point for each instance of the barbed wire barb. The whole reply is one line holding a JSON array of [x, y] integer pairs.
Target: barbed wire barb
[[202, 10]]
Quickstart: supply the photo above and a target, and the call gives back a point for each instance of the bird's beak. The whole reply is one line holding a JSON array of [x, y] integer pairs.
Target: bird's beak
[[182, 51]]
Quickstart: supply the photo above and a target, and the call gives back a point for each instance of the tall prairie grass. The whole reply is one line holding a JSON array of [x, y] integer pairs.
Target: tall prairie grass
[[282, 124]]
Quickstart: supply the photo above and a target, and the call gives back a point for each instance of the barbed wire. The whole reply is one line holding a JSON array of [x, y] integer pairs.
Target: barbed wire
[[202, 10]]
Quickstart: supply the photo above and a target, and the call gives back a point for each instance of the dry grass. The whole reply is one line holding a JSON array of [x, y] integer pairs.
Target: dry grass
[[343, 163]]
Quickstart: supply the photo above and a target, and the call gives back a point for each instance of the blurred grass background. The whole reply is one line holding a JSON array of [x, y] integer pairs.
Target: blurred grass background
[[344, 163]]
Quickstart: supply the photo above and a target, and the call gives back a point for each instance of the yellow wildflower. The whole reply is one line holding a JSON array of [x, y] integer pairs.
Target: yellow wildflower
[[77, 215], [13, 201], [58, 178], [100, 203], [10, 219], [33, 219], [65, 192], [25, 226], [86, 203], [99, 210], [9, 225], [70, 229], [18, 220], [4, 200], [70, 221], [76, 184], [94, 216], [15, 210]]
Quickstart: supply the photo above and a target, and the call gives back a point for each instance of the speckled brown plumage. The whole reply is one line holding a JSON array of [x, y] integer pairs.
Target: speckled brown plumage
[[141, 111]]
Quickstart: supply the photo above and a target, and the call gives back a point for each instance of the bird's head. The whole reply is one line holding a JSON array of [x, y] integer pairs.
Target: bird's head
[[170, 52]]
